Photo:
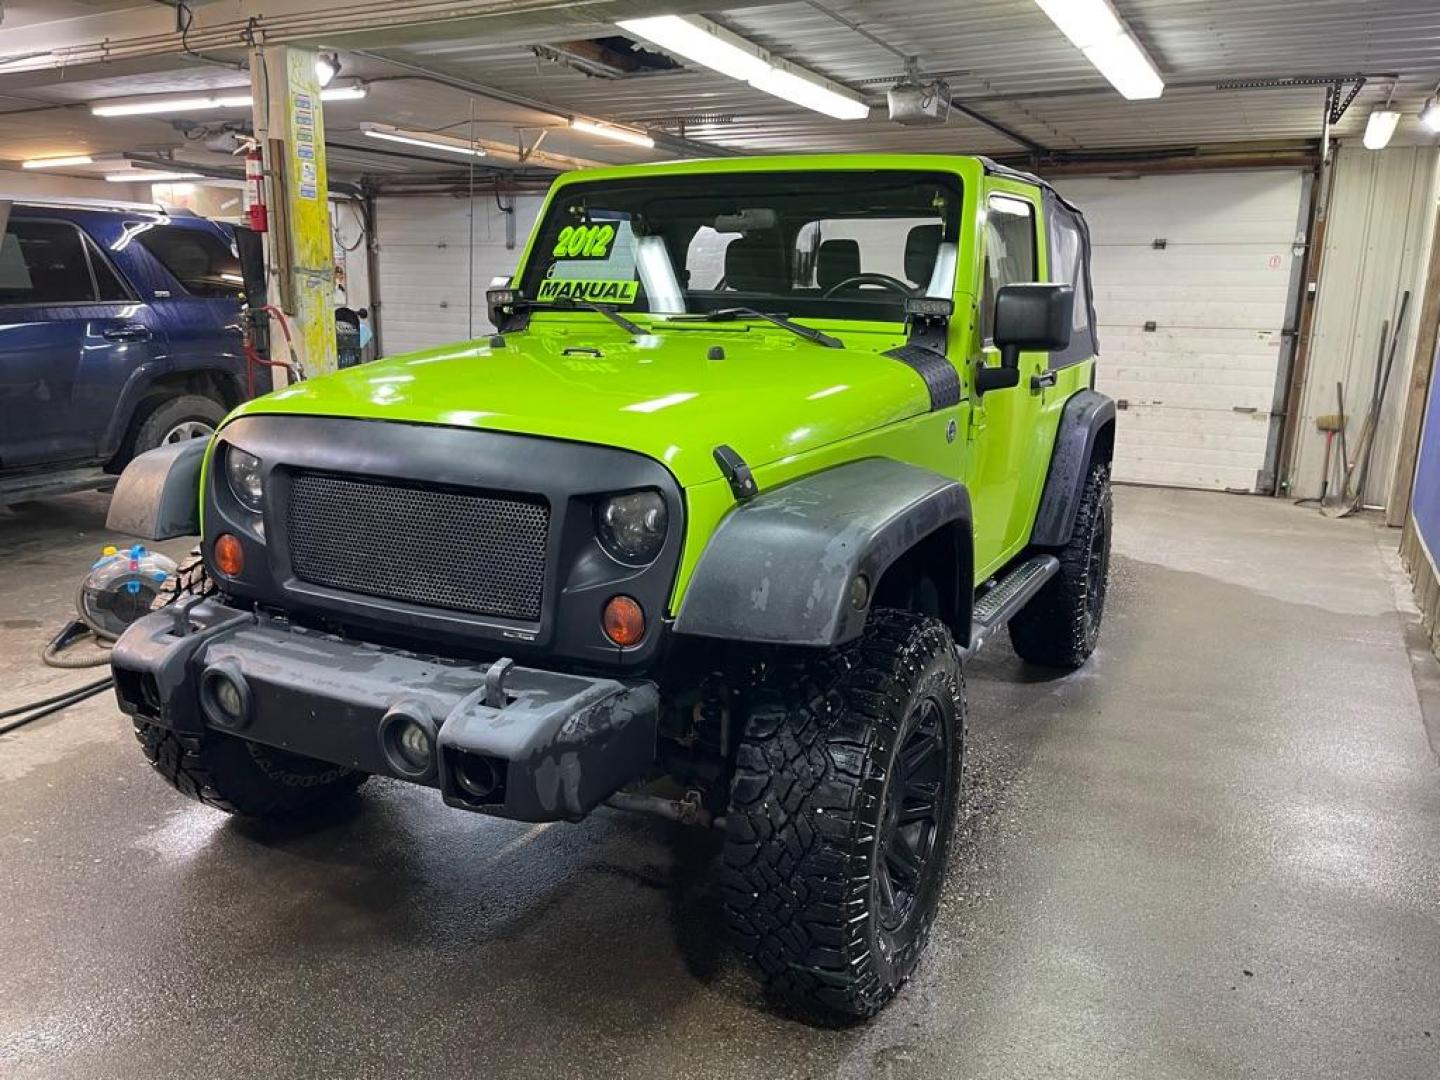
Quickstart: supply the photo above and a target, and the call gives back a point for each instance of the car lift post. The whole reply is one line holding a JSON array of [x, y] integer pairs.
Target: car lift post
[[299, 258]]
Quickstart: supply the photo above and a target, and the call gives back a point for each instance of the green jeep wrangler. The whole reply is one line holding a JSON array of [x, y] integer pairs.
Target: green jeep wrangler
[[762, 450]]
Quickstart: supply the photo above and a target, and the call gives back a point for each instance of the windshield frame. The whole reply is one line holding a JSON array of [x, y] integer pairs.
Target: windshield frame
[[668, 240]]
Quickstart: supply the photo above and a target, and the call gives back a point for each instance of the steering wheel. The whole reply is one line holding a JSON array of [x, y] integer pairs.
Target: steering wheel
[[885, 281]]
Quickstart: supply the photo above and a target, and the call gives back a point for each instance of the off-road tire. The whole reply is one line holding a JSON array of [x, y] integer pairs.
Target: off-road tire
[[1059, 628], [190, 579], [168, 414], [232, 774], [809, 815]]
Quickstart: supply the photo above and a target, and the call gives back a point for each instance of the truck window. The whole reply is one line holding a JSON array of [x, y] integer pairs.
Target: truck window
[[43, 262], [1067, 262], [200, 261], [1009, 252], [108, 285], [792, 242], [705, 258]]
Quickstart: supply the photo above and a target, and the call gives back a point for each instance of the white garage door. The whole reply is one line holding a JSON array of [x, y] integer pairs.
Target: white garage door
[[425, 265], [1193, 283]]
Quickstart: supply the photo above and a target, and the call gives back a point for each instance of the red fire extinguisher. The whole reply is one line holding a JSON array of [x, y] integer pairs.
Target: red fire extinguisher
[[255, 211]]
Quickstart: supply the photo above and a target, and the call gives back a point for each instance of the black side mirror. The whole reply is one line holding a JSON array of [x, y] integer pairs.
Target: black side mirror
[[1036, 316]]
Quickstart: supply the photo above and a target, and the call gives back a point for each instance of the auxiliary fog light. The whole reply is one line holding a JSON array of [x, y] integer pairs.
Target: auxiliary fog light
[[225, 696], [407, 739]]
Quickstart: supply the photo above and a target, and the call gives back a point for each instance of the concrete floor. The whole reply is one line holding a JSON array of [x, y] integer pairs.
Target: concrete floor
[[1215, 852]]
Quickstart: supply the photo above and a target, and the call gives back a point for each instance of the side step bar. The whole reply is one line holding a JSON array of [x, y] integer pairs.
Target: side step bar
[[45, 485], [998, 604]]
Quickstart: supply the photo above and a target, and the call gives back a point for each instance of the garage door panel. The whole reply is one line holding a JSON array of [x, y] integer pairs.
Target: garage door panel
[[1199, 386], [1209, 208], [1198, 312], [426, 266], [1190, 395], [1218, 450], [1127, 273]]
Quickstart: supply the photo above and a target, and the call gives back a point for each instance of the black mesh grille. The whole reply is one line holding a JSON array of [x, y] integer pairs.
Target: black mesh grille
[[483, 554]]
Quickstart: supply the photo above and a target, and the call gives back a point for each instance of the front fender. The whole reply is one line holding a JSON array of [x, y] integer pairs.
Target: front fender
[[781, 568], [158, 494]]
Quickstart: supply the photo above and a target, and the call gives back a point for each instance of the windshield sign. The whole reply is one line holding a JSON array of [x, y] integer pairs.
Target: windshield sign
[[820, 244]]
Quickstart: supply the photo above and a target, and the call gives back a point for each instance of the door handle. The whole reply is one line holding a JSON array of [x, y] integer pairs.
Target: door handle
[[1042, 381], [132, 332]]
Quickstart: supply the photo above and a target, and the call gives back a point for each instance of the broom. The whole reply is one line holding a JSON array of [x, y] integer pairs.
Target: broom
[[1329, 425]]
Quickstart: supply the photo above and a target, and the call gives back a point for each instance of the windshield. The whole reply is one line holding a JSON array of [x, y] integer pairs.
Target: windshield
[[826, 245]]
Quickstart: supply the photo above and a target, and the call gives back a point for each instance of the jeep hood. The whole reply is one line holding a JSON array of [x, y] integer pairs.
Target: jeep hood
[[666, 395]]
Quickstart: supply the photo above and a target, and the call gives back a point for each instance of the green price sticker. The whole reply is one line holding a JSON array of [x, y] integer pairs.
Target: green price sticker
[[584, 242]]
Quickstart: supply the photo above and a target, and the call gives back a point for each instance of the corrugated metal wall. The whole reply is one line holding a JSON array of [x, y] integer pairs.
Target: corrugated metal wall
[[1377, 236]]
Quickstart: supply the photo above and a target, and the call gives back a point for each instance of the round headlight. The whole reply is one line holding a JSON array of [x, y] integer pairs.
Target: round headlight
[[243, 472], [632, 526]]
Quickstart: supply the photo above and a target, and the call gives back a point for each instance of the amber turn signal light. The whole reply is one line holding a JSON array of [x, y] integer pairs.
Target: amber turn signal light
[[229, 555], [623, 621]]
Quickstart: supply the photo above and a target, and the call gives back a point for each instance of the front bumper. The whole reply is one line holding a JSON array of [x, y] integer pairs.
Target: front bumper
[[515, 742]]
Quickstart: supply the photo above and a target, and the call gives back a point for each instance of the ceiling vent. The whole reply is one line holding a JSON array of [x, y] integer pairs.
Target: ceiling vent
[[613, 57]]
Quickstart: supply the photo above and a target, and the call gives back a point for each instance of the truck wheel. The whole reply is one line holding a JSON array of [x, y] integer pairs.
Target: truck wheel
[[1059, 628], [177, 419], [842, 807], [229, 773]]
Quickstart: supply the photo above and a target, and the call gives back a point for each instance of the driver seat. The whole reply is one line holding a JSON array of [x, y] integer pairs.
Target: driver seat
[[922, 247], [930, 260]]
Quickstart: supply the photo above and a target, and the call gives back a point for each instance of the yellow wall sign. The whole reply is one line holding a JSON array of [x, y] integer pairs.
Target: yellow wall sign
[[596, 291]]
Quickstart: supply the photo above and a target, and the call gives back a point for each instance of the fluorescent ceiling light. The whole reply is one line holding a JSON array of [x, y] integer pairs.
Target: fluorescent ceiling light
[[619, 134], [429, 141], [800, 90], [702, 43], [144, 176], [154, 105], [710, 45], [1430, 114], [148, 106], [57, 162], [1379, 128], [353, 92], [1096, 30]]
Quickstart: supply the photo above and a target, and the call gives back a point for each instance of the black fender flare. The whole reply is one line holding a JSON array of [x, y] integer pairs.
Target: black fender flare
[[1087, 427], [782, 567], [158, 495]]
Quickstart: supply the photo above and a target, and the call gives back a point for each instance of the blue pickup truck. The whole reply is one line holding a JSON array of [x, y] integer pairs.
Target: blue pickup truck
[[119, 331]]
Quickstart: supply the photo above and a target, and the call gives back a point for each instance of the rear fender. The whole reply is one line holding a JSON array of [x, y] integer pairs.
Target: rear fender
[[1086, 433]]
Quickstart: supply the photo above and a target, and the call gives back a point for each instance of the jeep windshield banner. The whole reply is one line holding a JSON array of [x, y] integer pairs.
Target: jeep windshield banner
[[593, 259], [610, 292], [584, 242]]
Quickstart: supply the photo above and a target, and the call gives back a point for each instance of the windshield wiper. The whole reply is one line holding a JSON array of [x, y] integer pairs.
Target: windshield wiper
[[780, 320], [564, 302]]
